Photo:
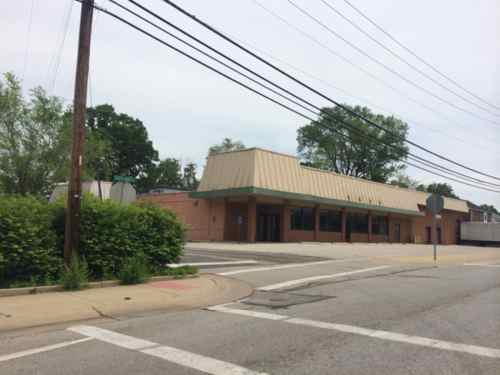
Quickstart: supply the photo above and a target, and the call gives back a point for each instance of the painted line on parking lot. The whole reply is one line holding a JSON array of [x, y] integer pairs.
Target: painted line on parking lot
[[222, 263], [168, 353], [372, 333], [42, 349], [282, 267], [307, 280], [482, 264]]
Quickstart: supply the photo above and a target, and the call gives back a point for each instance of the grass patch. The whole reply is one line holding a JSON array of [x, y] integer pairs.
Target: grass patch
[[135, 270], [76, 276], [180, 272]]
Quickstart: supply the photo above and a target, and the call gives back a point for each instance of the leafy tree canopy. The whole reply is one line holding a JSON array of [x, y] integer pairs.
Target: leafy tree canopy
[[404, 181], [226, 145], [124, 139], [169, 173], [444, 189], [356, 153], [32, 145], [489, 208]]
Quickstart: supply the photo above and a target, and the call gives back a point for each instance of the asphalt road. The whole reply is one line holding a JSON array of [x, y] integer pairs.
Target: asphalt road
[[308, 315]]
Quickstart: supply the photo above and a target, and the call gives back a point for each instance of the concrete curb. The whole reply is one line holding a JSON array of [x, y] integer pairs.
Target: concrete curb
[[11, 292], [128, 302]]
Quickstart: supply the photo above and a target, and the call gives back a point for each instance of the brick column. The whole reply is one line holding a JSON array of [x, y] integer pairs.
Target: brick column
[[227, 219], [344, 225], [370, 226], [316, 222], [284, 223], [252, 219]]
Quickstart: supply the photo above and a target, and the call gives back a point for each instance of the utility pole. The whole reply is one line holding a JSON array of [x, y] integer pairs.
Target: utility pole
[[72, 229]]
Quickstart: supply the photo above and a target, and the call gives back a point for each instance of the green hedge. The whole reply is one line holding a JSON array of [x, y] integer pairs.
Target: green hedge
[[28, 241], [32, 237]]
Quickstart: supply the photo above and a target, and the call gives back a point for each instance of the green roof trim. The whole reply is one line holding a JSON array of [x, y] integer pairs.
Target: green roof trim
[[297, 196]]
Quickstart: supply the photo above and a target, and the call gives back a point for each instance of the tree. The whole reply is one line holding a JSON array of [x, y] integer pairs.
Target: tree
[[166, 174], [320, 145], [226, 145], [129, 150], [443, 189], [189, 180], [405, 181], [32, 141], [489, 209]]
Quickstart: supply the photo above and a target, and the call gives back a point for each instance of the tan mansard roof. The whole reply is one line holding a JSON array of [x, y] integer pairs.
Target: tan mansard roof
[[259, 171]]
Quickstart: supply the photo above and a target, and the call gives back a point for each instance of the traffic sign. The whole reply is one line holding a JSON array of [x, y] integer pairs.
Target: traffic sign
[[435, 203], [128, 179]]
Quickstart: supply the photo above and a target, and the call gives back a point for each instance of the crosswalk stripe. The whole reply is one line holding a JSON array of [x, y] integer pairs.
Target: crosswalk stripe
[[168, 353]]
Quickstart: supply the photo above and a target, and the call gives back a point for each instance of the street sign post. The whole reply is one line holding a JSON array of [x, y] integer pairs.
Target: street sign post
[[435, 204]]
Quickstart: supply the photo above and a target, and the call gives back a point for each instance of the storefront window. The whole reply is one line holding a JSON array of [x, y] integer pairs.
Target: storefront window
[[358, 223], [330, 221], [379, 225], [302, 218]]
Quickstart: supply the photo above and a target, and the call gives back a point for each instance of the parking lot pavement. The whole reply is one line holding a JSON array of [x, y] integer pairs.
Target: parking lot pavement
[[395, 253], [358, 319]]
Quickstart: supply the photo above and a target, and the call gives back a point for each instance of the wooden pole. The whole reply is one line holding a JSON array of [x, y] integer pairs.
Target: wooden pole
[[72, 228]]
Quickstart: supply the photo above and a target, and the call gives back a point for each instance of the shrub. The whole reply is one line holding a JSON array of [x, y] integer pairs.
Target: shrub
[[28, 250], [32, 238], [112, 233], [134, 270], [76, 276]]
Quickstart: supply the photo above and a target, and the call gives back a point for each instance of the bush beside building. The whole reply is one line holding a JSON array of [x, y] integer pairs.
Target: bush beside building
[[32, 238]]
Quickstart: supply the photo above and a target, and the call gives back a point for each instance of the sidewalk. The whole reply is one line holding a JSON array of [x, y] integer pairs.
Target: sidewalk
[[59, 307]]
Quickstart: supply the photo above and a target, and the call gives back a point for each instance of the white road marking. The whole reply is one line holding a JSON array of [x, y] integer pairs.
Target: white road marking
[[306, 280], [282, 267], [222, 263], [399, 337], [198, 362], [482, 264], [174, 355], [42, 349], [253, 314], [114, 338], [377, 334]]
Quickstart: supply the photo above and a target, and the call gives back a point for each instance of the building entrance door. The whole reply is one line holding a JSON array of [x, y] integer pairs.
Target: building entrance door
[[397, 232], [268, 224]]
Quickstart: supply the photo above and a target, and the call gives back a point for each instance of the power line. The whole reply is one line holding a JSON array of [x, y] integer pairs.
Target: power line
[[296, 80], [385, 66], [28, 40], [352, 63], [61, 48], [361, 99], [316, 111], [402, 59], [414, 54], [205, 53], [234, 80]]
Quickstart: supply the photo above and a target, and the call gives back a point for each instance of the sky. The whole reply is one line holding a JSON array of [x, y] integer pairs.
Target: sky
[[187, 108]]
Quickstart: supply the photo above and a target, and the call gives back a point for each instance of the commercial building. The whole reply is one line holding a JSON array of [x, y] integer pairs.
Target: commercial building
[[259, 195]]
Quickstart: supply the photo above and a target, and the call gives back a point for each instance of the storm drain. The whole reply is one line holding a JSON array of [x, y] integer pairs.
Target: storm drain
[[276, 300]]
